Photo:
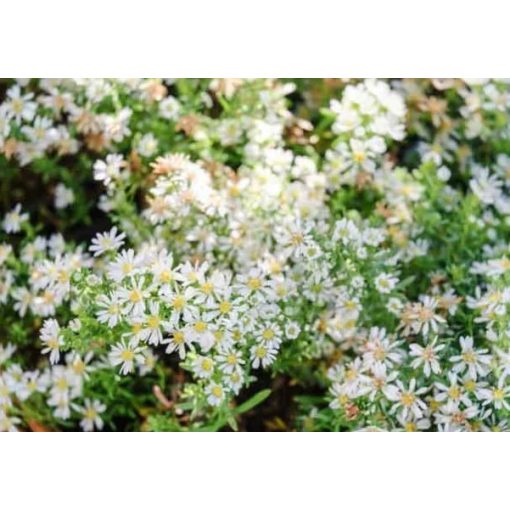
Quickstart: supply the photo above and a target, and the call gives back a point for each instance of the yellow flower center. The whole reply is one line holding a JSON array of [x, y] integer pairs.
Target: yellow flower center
[[166, 276], [179, 302], [153, 321], [268, 334], [178, 337], [469, 357], [217, 391], [113, 309], [359, 156], [351, 374], [254, 283], [225, 307], [275, 267], [207, 364], [79, 367], [207, 288], [127, 356], [343, 399], [63, 276], [281, 290], [505, 263], [407, 399], [200, 326], [260, 351], [62, 384], [297, 239], [91, 413], [53, 343], [498, 394], [48, 297], [17, 105], [135, 296], [379, 354], [470, 385]]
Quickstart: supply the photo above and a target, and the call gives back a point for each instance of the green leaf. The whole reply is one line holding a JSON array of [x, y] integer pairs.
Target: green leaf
[[233, 424], [254, 401]]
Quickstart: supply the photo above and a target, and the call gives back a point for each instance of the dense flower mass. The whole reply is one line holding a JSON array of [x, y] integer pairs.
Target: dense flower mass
[[265, 254]]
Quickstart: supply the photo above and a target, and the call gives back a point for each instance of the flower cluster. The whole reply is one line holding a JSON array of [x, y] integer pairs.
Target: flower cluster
[[368, 115], [218, 324], [173, 251]]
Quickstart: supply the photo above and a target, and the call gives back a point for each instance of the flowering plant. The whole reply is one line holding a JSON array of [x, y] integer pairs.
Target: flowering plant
[[254, 254]]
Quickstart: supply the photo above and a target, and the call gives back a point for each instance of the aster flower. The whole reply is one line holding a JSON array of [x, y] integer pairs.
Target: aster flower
[[107, 241]]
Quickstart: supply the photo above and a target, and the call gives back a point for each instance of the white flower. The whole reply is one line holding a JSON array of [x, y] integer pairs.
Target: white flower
[[8, 423], [453, 394], [379, 380], [5, 394], [177, 342], [476, 362], [91, 415], [6, 351], [498, 395], [203, 367], [503, 359], [13, 220], [109, 310], [107, 241], [230, 361], [20, 106], [379, 350], [413, 425], [63, 196], [149, 362], [109, 170], [385, 283], [426, 356], [456, 419], [199, 330], [133, 297], [292, 330], [424, 317], [486, 186], [407, 399], [126, 354], [340, 396], [50, 336], [154, 324], [262, 355], [269, 334], [394, 306], [147, 145], [234, 381], [169, 108], [215, 394], [42, 134], [181, 304], [125, 264], [443, 173], [61, 404], [117, 126]]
